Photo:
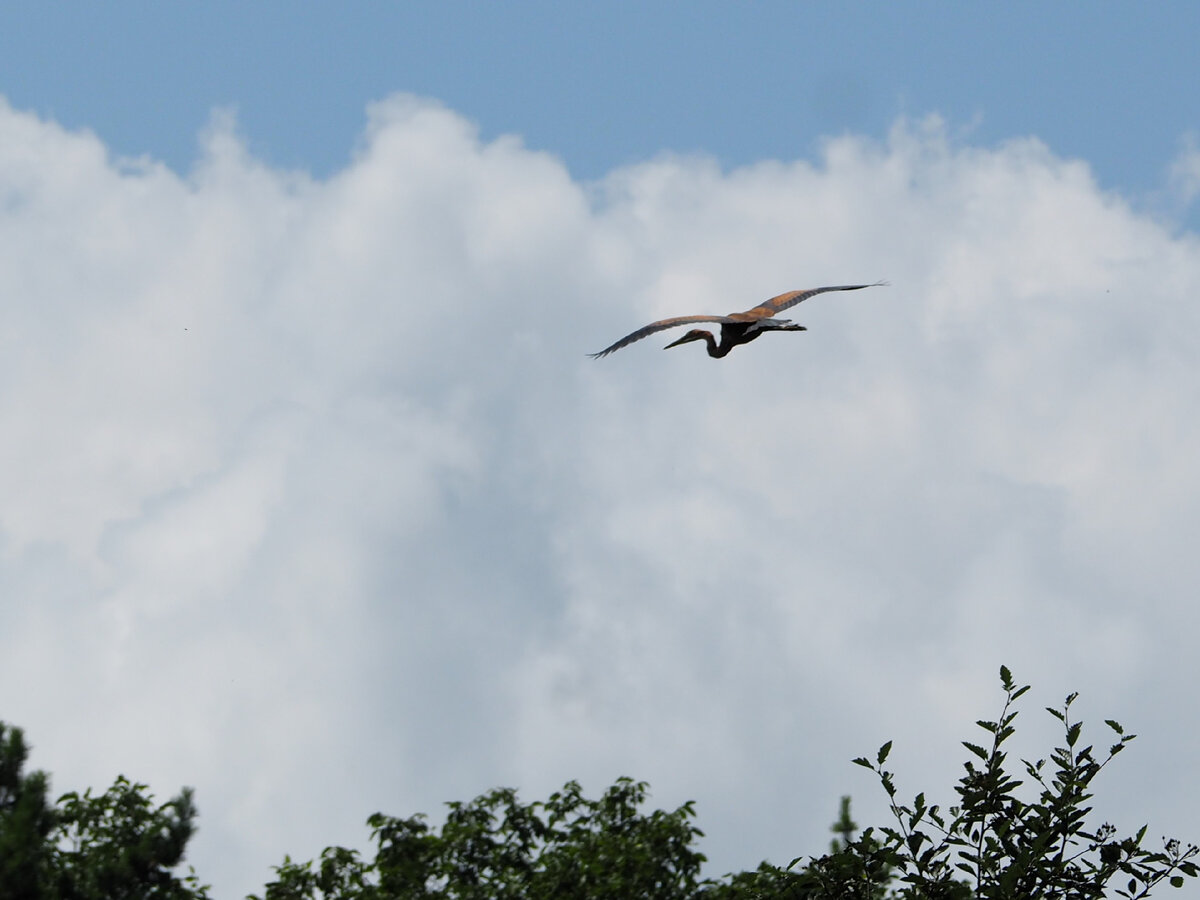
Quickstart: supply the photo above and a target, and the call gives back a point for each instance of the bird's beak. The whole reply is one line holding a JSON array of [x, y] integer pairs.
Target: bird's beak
[[690, 336]]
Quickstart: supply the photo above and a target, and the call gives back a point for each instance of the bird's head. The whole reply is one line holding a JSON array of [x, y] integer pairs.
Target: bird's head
[[696, 334]]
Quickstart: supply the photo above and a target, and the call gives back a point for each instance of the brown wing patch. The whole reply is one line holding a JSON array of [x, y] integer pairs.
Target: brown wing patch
[[791, 298], [753, 315]]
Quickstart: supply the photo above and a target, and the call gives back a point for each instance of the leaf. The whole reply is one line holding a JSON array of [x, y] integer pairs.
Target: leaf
[[1114, 725], [1073, 734], [864, 762], [976, 749], [883, 752], [1006, 678], [1177, 881]]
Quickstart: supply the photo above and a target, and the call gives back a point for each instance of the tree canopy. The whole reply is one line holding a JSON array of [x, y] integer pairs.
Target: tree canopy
[[1014, 831], [112, 846]]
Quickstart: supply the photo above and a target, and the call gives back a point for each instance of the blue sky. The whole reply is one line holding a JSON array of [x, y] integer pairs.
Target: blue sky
[[605, 84], [307, 479]]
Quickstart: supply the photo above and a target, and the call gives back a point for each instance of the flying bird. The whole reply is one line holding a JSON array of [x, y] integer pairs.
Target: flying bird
[[736, 328]]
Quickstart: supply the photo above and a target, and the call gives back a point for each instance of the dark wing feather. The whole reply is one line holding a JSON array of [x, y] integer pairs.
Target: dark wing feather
[[660, 325], [791, 298]]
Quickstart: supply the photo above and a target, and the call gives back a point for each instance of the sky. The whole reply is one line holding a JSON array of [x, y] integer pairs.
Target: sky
[[311, 499]]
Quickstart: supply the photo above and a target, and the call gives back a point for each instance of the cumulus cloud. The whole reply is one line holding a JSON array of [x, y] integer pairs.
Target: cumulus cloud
[[310, 498]]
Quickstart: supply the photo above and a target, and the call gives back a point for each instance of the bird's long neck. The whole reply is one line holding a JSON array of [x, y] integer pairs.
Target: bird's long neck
[[715, 350]]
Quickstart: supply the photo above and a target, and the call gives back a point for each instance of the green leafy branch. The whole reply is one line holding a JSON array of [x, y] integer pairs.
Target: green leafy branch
[[995, 844]]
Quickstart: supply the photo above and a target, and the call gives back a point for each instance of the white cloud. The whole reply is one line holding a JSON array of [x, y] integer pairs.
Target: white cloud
[[310, 498]]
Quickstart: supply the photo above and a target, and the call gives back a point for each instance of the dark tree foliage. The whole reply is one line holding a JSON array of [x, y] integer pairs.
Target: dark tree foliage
[[1015, 832], [120, 845], [496, 848], [1006, 839], [1001, 842], [26, 819], [113, 846]]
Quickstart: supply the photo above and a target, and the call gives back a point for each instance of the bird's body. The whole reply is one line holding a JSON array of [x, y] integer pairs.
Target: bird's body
[[734, 334], [736, 328]]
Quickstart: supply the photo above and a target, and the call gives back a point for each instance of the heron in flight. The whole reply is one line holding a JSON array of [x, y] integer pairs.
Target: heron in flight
[[736, 328]]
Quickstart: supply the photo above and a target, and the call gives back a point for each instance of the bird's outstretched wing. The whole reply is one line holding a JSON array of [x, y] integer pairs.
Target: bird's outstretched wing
[[660, 325], [791, 298]]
